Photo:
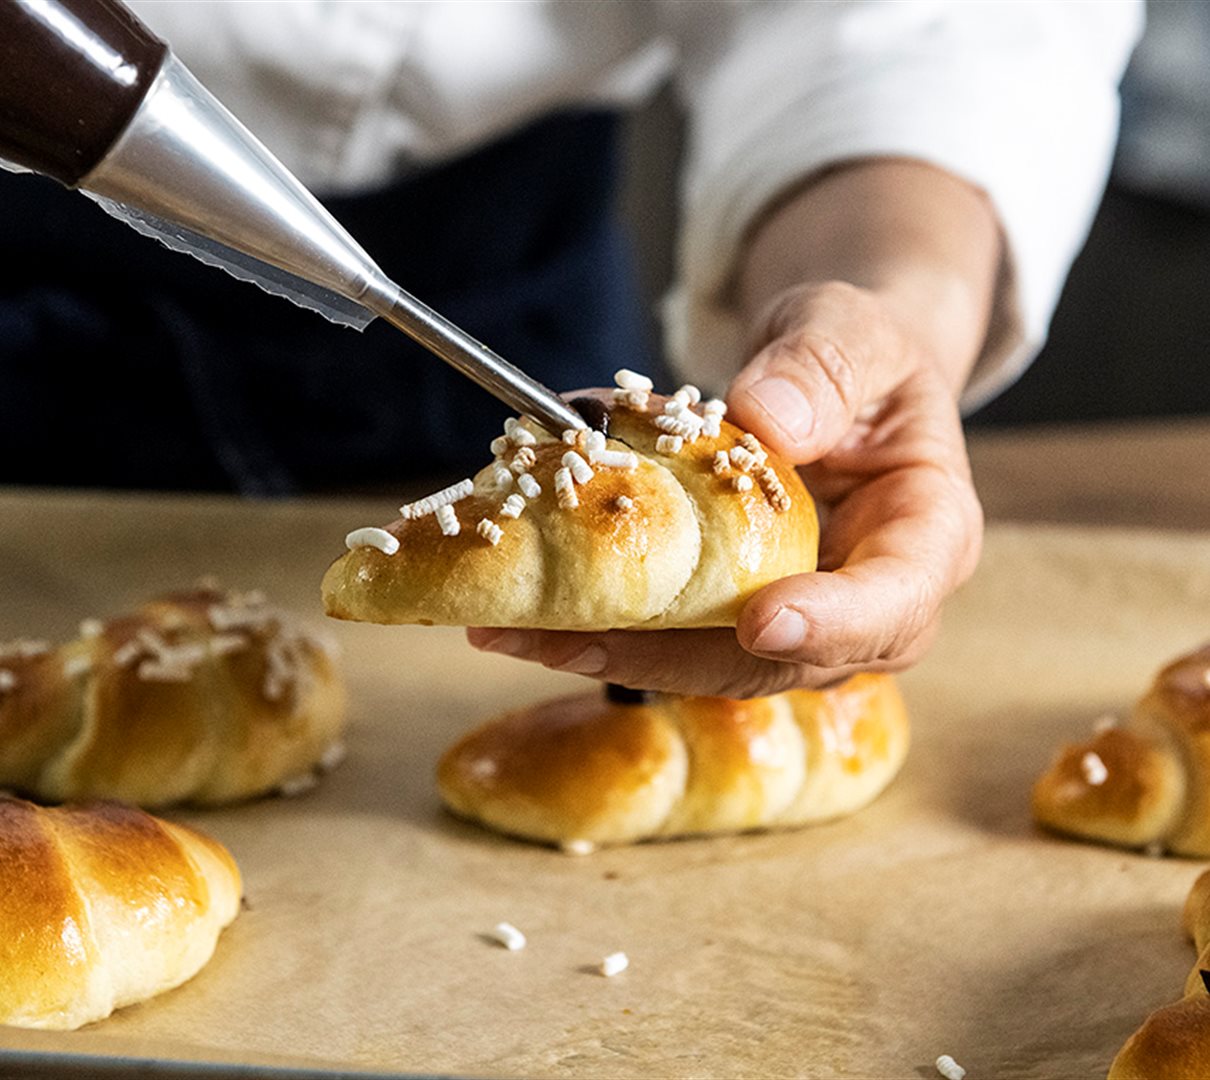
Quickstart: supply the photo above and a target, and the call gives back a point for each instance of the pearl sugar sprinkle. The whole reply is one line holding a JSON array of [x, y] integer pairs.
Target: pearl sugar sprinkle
[[581, 472], [490, 531], [513, 506], [372, 537], [530, 487], [448, 520], [565, 490], [431, 503]]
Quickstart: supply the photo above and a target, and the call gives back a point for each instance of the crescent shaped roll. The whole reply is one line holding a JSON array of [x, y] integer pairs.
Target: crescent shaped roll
[[645, 529], [101, 906], [1174, 1041], [1146, 784], [591, 771], [203, 697]]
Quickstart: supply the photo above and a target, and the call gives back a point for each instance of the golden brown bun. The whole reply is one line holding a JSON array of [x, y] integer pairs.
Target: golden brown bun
[[202, 697], [1174, 1042], [101, 906], [683, 548], [593, 770], [1147, 785]]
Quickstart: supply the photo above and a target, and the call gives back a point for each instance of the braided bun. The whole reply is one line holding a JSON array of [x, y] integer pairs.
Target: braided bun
[[202, 697]]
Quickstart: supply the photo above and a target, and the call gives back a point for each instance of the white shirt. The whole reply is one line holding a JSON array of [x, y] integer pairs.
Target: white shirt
[[1019, 97]]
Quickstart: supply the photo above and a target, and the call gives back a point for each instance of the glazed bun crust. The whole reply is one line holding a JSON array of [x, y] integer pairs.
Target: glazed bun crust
[[101, 906], [1145, 784], [589, 769], [202, 696], [1175, 1041], [667, 544]]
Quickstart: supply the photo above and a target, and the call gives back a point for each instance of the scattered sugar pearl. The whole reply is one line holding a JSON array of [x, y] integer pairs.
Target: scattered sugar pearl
[[691, 392], [430, 503], [614, 964], [623, 503], [669, 444], [632, 380], [333, 756], [712, 427], [530, 487], [500, 446], [508, 936], [613, 459], [523, 460], [742, 482], [565, 490], [372, 537], [577, 847], [155, 671], [594, 442], [770, 484], [502, 477], [91, 628], [571, 436], [1094, 769], [949, 1068], [743, 459], [632, 399], [676, 405], [520, 436], [448, 521], [752, 444], [513, 506], [76, 666], [490, 531], [722, 463], [297, 785], [581, 471], [715, 407]]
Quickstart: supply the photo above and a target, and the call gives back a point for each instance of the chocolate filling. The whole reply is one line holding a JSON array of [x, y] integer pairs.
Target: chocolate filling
[[595, 413], [623, 695]]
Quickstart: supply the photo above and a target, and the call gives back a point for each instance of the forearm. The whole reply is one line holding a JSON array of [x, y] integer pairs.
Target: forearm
[[923, 240]]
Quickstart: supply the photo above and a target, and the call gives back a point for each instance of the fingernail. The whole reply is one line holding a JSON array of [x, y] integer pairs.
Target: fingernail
[[786, 406], [589, 662], [782, 633], [508, 642]]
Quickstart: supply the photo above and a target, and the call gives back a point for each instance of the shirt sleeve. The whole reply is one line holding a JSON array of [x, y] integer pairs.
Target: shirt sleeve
[[1019, 98]]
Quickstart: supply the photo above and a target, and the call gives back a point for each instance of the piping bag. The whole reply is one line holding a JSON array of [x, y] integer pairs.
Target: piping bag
[[91, 97]]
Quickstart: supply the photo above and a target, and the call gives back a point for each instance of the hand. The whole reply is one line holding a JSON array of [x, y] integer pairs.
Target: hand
[[844, 388]]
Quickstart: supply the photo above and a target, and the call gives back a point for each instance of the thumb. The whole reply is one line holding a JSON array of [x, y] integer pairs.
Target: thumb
[[828, 351]]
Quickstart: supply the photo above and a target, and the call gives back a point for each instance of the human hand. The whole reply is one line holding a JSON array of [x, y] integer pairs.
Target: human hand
[[844, 386]]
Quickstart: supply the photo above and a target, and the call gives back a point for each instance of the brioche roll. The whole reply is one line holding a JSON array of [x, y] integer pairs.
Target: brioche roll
[[650, 530], [102, 906]]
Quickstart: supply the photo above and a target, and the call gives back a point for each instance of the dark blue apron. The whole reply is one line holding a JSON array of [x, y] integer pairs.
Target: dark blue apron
[[124, 365]]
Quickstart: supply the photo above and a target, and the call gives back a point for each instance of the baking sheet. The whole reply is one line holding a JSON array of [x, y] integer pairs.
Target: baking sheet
[[936, 921]]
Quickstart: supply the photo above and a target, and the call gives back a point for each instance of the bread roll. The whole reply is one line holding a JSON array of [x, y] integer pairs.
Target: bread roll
[[101, 906], [202, 697], [1174, 1042], [590, 770], [1144, 785], [650, 536]]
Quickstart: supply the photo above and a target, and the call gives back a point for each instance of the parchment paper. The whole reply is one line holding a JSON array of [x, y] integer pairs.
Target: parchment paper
[[937, 921]]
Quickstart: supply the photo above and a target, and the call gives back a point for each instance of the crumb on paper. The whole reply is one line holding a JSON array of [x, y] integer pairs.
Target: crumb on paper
[[614, 964], [508, 936], [577, 847], [297, 785], [949, 1068]]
